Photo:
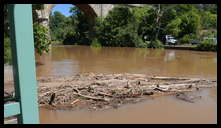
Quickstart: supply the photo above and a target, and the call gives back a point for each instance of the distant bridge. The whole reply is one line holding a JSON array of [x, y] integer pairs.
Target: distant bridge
[[90, 10]]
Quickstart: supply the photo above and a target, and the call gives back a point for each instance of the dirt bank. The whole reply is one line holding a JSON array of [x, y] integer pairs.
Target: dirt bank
[[106, 91]]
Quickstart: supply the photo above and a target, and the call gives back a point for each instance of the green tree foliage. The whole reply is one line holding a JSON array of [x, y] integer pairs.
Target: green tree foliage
[[147, 26], [174, 27], [7, 49], [207, 45], [60, 27], [82, 26], [119, 28], [153, 23], [95, 43], [187, 38], [40, 34], [209, 20], [137, 27], [74, 29], [41, 40], [155, 44], [190, 24], [139, 13], [191, 20]]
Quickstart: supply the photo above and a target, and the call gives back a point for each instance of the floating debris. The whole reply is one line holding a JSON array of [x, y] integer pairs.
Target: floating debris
[[105, 91]]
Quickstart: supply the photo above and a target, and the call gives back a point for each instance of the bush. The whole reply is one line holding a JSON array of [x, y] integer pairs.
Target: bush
[[95, 43], [41, 38], [7, 50], [141, 44], [210, 33], [69, 39], [207, 45], [155, 44], [187, 38]]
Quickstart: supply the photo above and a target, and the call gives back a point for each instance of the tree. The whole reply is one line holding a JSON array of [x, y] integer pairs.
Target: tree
[[190, 23], [119, 28], [41, 41], [174, 27], [209, 20], [40, 34], [60, 26], [82, 27], [156, 18]]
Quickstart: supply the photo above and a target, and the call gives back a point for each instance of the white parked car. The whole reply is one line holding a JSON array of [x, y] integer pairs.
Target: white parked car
[[170, 40]]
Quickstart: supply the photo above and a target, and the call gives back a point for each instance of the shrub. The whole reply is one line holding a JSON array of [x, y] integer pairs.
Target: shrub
[[69, 39], [7, 50], [155, 44], [41, 38], [187, 38], [141, 44], [95, 43], [207, 45]]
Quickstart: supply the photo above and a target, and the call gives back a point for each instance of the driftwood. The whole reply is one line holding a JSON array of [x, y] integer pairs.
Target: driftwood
[[104, 94], [167, 78], [90, 97], [148, 93], [112, 89], [52, 99], [75, 101], [162, 90]]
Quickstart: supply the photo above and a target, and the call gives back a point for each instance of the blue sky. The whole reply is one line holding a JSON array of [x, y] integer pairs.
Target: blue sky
[[63, 8]]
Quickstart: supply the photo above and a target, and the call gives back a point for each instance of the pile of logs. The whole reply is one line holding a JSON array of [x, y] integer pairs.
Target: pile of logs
[[113, 89]]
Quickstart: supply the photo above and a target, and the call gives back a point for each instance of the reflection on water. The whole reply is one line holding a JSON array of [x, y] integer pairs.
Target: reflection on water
[[170, 56], [69, 60]]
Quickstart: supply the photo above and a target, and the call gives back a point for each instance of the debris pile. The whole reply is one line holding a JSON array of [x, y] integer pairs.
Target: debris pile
[[105, 91]]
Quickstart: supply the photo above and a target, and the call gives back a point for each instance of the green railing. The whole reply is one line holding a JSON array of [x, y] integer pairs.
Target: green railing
[[22, 42]]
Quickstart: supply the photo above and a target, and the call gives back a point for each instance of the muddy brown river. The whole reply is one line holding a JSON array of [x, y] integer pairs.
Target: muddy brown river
[[70, 60]]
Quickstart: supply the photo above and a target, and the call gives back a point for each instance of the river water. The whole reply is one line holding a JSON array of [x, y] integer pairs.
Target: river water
[[70, 60]]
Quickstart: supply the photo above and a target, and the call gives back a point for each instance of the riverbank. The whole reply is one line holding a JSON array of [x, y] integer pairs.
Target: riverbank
[[107, 91], [175, 47], [181, 47], [187, 47]]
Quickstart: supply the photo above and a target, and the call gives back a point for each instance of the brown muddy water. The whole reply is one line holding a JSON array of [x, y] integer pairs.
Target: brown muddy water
[[70, 60], [158, 110]]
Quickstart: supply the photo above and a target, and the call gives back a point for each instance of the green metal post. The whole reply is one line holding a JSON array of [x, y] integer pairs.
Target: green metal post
[[11, 109], [22, 42]]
